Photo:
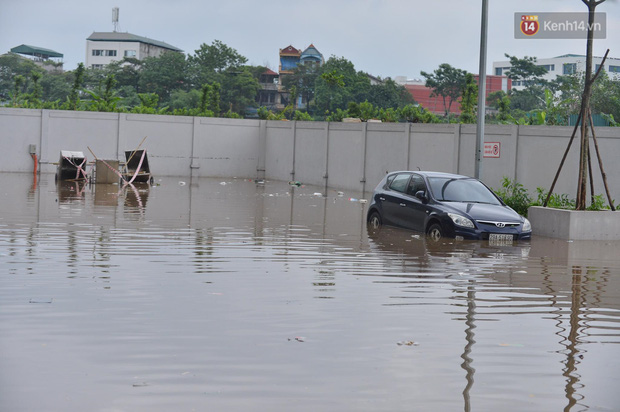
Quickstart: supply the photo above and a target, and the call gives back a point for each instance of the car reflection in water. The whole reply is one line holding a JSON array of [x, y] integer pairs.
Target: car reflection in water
[[445, 205]]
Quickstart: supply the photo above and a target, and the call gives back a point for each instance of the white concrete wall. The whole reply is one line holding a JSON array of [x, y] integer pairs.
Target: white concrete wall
[[352, 156]]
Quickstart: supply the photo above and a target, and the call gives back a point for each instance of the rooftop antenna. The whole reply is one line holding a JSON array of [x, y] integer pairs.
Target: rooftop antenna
[[115, 18]]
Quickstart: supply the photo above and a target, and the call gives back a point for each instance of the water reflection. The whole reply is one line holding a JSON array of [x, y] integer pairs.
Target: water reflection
[[233, 295]]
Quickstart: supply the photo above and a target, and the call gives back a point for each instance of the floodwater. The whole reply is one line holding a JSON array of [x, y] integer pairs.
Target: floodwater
[[230, 295]]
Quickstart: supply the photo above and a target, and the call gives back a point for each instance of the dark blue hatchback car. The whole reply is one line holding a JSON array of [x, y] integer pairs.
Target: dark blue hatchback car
[[445, 205]]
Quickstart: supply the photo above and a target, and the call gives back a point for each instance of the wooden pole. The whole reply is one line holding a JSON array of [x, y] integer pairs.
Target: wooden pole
[[600, 163], [557, 174]]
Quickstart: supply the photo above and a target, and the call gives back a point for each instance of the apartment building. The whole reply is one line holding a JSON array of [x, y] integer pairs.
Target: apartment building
[[102, 48]]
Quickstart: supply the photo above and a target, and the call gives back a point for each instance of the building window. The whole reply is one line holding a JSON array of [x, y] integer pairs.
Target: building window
[[130, 53], [104, 53], [548, 67], [614, 69], [498, 71], [96, 66], [569, 68]]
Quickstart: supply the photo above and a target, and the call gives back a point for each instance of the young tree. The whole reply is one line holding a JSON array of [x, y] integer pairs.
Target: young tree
[[469, 100], [447, 82], [525, 70], [585, 117]]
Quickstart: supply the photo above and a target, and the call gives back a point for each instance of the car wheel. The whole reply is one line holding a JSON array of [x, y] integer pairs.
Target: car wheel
[[374, 221], [435, 232]]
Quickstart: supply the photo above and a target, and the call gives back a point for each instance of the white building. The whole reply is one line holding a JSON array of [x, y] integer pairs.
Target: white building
[[103, 48], [562, 65]]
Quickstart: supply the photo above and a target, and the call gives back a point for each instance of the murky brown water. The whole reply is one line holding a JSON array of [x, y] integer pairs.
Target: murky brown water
[[225, 295]]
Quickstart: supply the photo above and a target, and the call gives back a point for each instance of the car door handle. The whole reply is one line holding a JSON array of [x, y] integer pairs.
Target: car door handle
[[403, 205]]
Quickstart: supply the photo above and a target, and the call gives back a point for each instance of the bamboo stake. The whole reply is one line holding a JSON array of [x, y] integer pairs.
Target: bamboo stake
[[562, 162], [600, 163]]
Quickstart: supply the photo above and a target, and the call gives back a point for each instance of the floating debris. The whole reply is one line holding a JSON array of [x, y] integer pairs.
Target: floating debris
[[407, 343], [71, 166], [41, 300], [294, 183], [298, 339]]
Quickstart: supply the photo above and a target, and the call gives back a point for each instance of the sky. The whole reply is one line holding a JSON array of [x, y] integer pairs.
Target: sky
[[385, 38]]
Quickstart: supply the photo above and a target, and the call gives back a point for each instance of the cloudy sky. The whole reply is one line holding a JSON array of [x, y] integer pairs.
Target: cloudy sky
[[385, 38]]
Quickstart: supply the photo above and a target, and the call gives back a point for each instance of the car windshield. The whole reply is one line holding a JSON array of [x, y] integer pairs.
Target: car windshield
[[461, 190]]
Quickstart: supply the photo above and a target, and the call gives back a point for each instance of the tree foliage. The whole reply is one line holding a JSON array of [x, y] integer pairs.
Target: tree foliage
[[446, 82], [525, 70]]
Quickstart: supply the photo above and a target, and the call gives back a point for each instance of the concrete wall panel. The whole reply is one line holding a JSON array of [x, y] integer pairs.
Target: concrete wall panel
[[19, 128], [387, 150], [279, 160], [433, 147], [225, 147], [311, 152], [346, 156]]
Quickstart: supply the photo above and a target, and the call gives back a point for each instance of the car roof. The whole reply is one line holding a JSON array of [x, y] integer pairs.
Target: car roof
[[432, 174]]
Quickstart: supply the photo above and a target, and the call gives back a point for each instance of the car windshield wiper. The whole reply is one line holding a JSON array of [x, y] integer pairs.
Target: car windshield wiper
[[477, 201]]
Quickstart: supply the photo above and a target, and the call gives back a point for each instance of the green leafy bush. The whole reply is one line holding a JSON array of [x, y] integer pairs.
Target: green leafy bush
[[515, 195]]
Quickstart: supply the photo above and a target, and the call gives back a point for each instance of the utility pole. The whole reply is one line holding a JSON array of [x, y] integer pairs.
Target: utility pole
[[482, 90]]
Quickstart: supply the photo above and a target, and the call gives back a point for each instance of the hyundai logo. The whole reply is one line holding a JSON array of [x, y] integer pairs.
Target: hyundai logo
[[500, 224]]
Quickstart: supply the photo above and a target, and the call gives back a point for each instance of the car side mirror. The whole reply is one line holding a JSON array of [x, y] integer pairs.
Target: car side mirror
[[421, 194]]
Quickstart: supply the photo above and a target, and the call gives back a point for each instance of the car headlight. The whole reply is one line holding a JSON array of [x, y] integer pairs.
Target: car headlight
[[461, 220], [527, 226]]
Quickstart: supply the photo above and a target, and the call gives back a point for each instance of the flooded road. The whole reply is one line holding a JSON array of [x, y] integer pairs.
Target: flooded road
[[228, 295]]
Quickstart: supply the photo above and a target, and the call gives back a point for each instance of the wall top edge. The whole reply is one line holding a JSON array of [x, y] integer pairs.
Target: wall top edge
[[218, 121], [11, 111]]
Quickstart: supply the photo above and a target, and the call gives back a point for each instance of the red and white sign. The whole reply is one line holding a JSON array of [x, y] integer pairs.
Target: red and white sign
[[492, 149]]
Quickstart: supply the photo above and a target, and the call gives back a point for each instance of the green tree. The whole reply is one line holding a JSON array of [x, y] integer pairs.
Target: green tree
[[12, 65], [338, 84], [56, 86], [164, 74], [446, 82], [525, 70], [105, 98], [239, 90], [209, 62], [303, 79], [469, 100], [388, 94], [73, 101]]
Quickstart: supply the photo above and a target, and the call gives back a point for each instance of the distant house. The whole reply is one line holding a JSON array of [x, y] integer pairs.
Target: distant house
[[311, 55], [562, 65], [290, 58], [49, 60], [102, 48], [269, 95]]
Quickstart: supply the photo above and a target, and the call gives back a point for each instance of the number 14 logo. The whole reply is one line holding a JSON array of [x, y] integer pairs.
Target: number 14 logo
[[529, 25]]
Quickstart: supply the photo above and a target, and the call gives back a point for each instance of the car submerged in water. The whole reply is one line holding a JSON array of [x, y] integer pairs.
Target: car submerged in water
[[445, 205]]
